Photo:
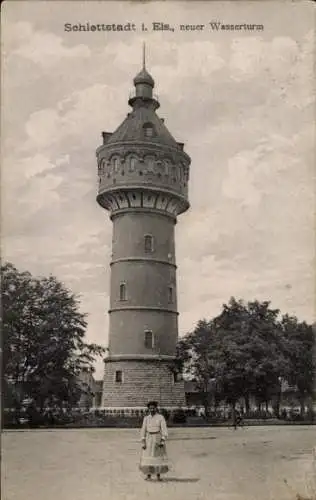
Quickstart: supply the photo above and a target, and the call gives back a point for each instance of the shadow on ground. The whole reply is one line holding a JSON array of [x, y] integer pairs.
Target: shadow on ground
[[191, 438], [181, 479]]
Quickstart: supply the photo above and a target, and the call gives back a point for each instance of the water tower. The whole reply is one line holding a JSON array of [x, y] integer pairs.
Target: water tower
[[143, 184]]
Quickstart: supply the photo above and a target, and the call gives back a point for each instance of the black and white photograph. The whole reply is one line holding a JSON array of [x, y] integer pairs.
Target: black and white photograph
[[158, 250]]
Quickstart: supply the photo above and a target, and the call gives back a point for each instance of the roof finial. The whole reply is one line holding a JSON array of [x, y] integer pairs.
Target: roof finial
[[143, 76], [144, 55]]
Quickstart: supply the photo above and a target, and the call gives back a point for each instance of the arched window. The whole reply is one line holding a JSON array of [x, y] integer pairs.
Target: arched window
[[149, 243], [150, 163], [167, 167], [100, 167], [149, 339], [123, 291], [116, 164], [170, 295], [132, 163]]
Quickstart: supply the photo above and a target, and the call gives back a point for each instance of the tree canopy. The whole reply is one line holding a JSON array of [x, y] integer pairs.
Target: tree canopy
[[248, 350], [44, 347]]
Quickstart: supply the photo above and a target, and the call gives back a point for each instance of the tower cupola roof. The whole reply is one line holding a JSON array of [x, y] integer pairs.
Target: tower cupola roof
[[144, 77], [142, 124]]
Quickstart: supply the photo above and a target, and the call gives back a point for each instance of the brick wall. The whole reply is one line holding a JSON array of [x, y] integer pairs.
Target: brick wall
[[142, 381]]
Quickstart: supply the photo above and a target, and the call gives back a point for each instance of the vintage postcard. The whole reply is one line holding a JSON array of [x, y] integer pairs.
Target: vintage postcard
[[158, 250]]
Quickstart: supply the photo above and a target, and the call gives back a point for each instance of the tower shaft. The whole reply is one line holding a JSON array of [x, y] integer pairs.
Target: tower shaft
[[143, 286]]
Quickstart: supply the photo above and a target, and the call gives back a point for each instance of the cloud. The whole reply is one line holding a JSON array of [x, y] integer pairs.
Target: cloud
[[45, 49], [252, 55], [41, 191], [15, 34], [61, 128], [41, 127], [239, 183], [283, 65]]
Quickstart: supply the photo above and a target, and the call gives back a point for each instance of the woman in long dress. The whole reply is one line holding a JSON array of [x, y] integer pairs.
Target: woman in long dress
[[154, 433]]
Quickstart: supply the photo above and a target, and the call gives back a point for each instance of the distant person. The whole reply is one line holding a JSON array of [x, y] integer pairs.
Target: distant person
[[154, 433], [201, 412], [237, 419]]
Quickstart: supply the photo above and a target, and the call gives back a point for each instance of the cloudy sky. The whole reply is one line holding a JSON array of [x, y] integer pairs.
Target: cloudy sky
[[241, 102]]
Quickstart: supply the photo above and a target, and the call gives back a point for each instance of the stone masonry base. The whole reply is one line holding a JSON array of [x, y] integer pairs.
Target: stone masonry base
[[142, 381]]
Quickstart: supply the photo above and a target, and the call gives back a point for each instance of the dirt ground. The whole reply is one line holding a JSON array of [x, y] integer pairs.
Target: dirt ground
[[256, 463]]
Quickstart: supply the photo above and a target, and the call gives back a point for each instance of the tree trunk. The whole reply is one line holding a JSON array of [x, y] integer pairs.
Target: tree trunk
[[206, 398], [310, 409], [233, 410], [278, 397], [247, 403], [302, 405], [206, 405], [276, 406], [17, 412]]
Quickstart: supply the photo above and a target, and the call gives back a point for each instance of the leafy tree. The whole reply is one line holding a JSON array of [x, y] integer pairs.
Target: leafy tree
[[241, 349], [253, 345], [44, 346], [193, 354], [299, 347]]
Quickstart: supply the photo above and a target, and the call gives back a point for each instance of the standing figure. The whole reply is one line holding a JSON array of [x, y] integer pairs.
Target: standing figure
[[154, 433], [237, 419]]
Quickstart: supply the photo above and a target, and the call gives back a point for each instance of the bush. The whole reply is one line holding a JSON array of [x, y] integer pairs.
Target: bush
[[165, 413], [179, 417]]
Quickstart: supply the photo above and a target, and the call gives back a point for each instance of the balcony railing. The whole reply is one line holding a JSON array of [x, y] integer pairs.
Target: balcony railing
[[132, 94]]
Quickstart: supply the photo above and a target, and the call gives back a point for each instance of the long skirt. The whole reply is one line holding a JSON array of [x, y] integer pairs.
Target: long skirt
[[154, 459]]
